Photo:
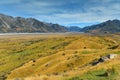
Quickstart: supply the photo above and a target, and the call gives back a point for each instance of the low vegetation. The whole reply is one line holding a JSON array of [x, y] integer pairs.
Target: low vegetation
[[58, 57]]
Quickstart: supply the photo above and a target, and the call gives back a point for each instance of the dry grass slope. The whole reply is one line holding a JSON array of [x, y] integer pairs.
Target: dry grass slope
[[58, 57]]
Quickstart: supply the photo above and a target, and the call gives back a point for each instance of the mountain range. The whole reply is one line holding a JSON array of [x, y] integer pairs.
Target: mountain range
[[73, 29], [9, 24], [20, 24], [110, 26]]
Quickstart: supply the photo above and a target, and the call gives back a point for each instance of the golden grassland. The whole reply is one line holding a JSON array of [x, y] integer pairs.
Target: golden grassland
[[58, 57]]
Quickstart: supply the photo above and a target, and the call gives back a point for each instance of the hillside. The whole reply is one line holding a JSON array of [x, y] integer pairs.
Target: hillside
[[110, 26], [58, 57], [9, 24]]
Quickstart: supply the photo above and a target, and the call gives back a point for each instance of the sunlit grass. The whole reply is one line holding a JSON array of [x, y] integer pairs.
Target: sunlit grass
[[61, 56]]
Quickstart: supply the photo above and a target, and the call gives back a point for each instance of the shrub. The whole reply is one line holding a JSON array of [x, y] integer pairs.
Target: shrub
[[56, 73], [76, 78], [63, 54], [34, 60], [68, 58], [76, 52], [84, 47], [33, 64]]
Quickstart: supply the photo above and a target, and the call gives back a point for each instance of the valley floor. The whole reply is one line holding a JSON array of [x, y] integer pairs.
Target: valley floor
[[59, 57]]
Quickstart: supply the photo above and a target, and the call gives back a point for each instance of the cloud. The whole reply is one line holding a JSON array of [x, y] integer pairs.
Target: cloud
[[73, 18], [65, 12]]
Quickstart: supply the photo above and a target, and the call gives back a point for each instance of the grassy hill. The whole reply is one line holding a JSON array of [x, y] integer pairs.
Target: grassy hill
[[58, 57]]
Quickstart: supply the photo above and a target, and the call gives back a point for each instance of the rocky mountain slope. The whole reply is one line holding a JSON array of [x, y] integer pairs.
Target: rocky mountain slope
[[20, 24], [110, 26], [9, 24]]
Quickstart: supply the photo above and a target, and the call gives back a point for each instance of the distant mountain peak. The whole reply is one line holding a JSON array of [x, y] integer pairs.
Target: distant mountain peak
[[110, 26], [74, 29]]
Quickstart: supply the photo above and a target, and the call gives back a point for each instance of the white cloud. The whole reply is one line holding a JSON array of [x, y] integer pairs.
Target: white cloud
[[95, 11], [62, 12]]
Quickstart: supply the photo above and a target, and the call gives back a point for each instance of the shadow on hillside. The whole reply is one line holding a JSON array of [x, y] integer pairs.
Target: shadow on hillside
[[103, 75]]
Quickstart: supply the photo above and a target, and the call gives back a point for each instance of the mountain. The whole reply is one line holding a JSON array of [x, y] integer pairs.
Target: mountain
[[9, 24], [110, 26], [20, 24], [74, 29]]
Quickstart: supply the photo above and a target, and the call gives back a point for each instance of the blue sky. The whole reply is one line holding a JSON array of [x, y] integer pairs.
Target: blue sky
[[65, 12]]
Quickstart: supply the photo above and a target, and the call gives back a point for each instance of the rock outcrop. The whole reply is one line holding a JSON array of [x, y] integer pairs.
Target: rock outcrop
[[104, 58]]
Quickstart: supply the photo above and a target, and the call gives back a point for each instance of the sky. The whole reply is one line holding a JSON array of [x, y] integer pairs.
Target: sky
[[65, 12]]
